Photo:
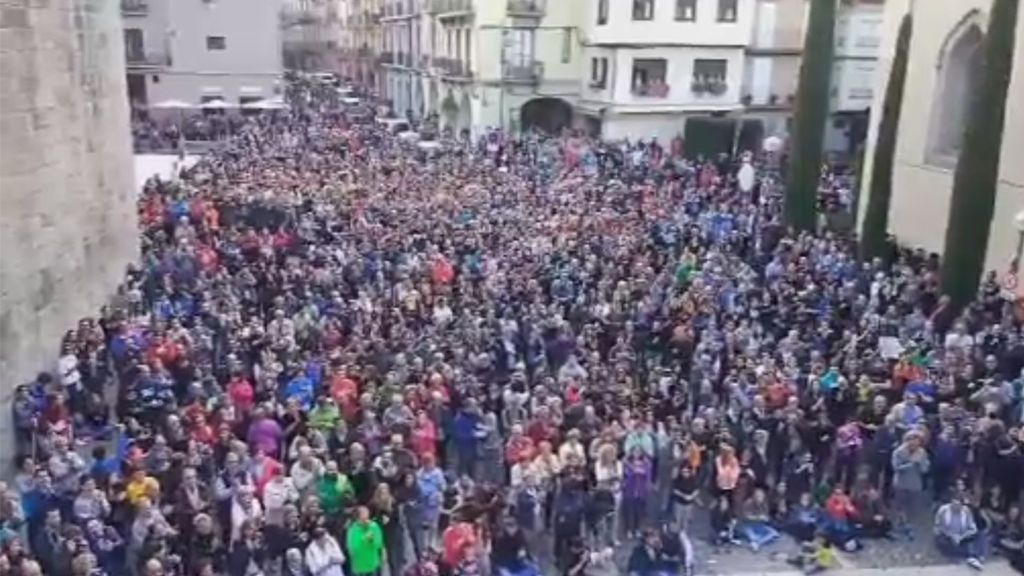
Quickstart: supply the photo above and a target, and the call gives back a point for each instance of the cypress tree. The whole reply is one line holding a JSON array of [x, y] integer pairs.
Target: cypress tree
[[812, 107], [977, 170], [876, 216]]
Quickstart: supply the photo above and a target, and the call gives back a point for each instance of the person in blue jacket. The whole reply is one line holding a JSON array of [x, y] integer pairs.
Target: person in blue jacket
[[302, 389], [467, 429]]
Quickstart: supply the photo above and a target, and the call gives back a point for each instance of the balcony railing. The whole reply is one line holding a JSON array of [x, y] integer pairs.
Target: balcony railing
[[526, 8], [386, 58], [531, 72], [651, 90], [712, 85], [134, 7], [451, 7], [453, 67], [138, 59]]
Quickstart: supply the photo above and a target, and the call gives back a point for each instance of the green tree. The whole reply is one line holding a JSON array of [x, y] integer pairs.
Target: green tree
[[977, 170], [812, 107], [876, 217]]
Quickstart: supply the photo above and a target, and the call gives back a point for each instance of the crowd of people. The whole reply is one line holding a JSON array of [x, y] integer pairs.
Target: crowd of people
[[168, 130], [520, 355]]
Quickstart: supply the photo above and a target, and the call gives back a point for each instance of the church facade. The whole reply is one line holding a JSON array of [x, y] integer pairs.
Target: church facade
[[943, 78]]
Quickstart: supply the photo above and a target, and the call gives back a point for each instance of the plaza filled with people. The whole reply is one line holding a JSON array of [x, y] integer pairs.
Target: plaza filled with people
[[517, 355]]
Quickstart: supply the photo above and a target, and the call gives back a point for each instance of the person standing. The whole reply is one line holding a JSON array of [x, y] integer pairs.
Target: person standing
[[364, 542], [323, 555], [909, 463]]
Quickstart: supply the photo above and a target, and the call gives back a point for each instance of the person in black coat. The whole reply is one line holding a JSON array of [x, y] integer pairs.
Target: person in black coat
[[249, 551]]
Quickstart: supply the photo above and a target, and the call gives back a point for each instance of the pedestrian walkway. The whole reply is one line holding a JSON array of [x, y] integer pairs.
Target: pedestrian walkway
[[992, 569]]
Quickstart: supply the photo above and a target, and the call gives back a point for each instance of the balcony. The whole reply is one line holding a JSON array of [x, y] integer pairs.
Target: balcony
[[140, 60], [134, 7], [710, 85], [451, 8], [523, 73], [653, 89], [453, 67], [526, 8]]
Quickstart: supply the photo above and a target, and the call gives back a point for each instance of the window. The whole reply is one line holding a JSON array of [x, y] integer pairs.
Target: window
[[134, 47], [566, 45], [709, 76], [649, 76], [598, 72], [643, 9], [686, 10], [602, 12], [960, 75], [519, 43], [726, 10], [216, 43]]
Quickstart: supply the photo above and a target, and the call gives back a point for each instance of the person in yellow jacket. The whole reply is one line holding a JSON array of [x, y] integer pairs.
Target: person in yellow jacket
[[364, 542]]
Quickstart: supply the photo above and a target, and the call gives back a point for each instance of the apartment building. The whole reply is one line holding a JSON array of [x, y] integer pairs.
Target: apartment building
[[199, 50], [658, 68], [475, 64], [773, 67], [310, 34], [401, 57], [362, 42]]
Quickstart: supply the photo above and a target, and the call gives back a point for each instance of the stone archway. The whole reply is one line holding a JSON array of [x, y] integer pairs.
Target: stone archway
[[548, 115], [959, 75]]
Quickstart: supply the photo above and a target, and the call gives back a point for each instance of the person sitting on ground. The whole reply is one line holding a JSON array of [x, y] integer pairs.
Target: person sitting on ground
[[647, 558], [956, 533], [756, 522], [839, 516], [802, 521], [872, 519]]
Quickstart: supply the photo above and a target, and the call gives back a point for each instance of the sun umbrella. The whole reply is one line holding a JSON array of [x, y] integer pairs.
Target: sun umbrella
[[217, 104], [264, 105], [172, 105]]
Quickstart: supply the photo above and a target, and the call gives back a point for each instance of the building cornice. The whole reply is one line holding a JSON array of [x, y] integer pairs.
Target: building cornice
[[643, 45], [773, 51]]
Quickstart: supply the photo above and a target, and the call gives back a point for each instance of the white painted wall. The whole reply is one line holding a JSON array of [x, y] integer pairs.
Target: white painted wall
[[679, 77], [665, 29], [250, 65], [664, 127]]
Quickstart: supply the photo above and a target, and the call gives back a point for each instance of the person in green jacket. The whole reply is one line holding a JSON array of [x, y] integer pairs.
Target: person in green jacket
[[334, 490], [364, 542], [325, 415]]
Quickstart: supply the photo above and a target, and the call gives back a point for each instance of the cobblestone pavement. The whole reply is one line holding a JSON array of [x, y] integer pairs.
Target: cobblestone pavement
[[901, 557]]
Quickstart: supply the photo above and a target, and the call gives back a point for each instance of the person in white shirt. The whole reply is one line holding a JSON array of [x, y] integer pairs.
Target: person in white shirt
[[608, 475], [323, 555], [244, 507], [279, 492], [306, 471]]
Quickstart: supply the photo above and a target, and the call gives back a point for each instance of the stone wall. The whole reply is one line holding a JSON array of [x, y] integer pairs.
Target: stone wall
[[68, 224]]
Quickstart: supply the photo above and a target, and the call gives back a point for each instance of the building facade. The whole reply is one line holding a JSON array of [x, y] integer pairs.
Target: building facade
[[68, 225], [942, 79], [311, 35], [199, 50], [652, 66], [773, 67], [473, 64]]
